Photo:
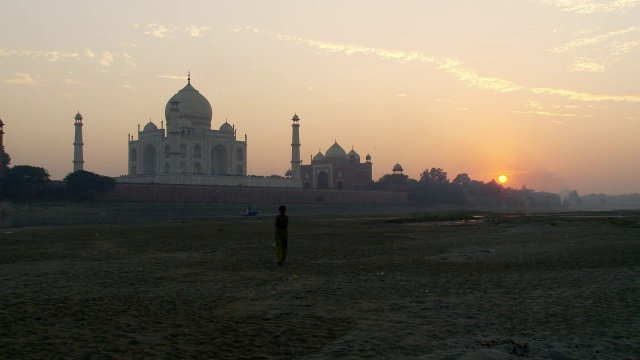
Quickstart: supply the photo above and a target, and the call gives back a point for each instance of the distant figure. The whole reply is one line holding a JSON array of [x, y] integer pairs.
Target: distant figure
[[282, 221]]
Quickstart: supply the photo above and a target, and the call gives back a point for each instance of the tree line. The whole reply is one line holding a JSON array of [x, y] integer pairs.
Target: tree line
[[434, 188], [26, 183]]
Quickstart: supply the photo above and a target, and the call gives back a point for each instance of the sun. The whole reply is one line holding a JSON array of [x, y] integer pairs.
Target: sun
[[502, 179]]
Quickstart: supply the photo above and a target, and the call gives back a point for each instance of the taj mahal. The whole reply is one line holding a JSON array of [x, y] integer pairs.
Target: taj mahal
[[190, 152]]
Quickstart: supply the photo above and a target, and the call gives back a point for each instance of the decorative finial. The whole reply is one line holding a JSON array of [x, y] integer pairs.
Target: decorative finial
[[189, 77]]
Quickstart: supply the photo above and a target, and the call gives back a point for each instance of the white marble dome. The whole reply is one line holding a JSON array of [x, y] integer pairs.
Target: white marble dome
[[318, 157], [226, 128], [193, 107], [353, 156], [335, 152], [150, 127]]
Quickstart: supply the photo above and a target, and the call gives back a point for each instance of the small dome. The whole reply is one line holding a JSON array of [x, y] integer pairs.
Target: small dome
[[397, 167], [368, 157], [336, 152], [78, 116], [353, 156], [226, 128], [288, 173], [295, 117], [150, 127], [318, 156]]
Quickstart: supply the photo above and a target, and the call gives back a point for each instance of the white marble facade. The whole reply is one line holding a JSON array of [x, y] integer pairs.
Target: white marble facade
[[188, 145]]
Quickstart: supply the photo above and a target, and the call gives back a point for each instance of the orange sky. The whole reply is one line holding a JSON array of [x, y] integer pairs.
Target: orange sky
[[543, 91]]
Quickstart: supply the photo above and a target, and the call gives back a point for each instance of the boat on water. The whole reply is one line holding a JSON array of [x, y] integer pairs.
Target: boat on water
[[250, 212]]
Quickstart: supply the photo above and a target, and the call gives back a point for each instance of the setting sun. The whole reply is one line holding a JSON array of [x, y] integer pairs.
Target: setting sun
[[502, 179]]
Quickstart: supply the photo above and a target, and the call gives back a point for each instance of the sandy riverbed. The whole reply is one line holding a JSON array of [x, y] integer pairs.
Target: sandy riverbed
[[541, 288]]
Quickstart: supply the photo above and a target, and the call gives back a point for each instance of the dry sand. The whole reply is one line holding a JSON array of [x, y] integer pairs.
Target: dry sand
[[541, 288]]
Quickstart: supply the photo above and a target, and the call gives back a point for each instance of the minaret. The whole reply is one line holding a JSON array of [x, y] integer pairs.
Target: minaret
[[295, 148], [173, 133], [78, 161], [1, 147]]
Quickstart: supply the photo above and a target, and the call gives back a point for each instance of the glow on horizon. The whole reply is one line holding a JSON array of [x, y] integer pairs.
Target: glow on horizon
[[481, 88]]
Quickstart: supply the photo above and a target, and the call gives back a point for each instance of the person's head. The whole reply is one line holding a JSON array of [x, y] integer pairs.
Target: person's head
[[282, 209]]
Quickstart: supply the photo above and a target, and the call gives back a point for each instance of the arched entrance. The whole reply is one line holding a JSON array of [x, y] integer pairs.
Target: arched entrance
[[219, 161], [322, 181], [149, 160]]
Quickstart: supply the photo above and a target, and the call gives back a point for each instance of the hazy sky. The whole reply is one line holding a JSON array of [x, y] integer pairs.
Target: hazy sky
[[546, 92]]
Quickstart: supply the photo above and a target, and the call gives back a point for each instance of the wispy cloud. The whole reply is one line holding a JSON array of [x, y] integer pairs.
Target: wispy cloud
[[449, 65], [172, 77], [581, 64], [596, 53], [196, 31], [619, 41], [548, 113], [170, 31], [107, 59], [593, 6], [401, 95], [71, 81], [156, 30], [585, 96], [22, 79], [537, 108], [47, 55]]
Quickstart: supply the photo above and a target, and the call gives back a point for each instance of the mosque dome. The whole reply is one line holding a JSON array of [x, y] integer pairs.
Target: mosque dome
[[193, 107], [318, 157], [368, 157], [335, 152], [397, 167], [353, 156], [150, 127], [295, 117], [78, 116], [226, 128]]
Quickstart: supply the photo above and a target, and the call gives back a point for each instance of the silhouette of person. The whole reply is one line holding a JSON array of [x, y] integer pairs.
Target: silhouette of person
[[282, 221]]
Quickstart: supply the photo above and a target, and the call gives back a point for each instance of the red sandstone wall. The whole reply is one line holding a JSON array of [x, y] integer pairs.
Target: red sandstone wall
[[231, 194]]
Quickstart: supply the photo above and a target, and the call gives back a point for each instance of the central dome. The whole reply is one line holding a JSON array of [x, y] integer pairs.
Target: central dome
[[193, 107], [335, 152]]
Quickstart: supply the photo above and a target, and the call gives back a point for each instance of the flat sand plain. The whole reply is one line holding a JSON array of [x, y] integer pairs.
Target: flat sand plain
[[538, 287]]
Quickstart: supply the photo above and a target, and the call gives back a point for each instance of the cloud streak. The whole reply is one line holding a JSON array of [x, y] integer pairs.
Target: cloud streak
[[21, 79], [449, 65], [170, 31], [106, 58], [47, 55], [587, 7], [172, 77]]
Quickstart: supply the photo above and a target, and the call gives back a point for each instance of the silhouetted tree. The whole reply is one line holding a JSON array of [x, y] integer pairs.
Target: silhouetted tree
[[463, 180], [23, 182], [6, 161], [435, 176], [84, 184]]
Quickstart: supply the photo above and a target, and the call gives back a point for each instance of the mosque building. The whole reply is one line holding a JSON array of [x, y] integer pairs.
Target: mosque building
[[189, 151], [337, 169]]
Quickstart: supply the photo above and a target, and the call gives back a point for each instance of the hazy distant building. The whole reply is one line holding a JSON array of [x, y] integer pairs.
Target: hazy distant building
[[189, 151], [337, 169]]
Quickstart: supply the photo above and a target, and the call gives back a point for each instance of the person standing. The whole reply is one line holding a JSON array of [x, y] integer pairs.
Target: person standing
[[282, 221]]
